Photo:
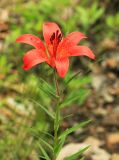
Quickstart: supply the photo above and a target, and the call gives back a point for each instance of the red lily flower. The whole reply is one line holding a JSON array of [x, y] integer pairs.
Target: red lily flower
[[57, 50]]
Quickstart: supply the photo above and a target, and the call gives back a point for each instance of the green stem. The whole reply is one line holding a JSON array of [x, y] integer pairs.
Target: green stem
[[57, 116], [56, 84]]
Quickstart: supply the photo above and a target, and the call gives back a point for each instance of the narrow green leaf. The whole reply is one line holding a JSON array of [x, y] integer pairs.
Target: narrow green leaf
[[36, 132], [82, 158], [59, 146], [77, 154], [75, 96], [71, 78], [48, 134], [48, 92], [47, 84], [41, 157], [81, 81], [44, 152], [47, 144], [44, 109], [68, 101], [70, 115], [74, 128], [47, 88], [43, 141], [44, 83]]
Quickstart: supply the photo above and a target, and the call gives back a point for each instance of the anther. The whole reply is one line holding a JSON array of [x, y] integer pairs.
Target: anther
[[53, 36], [57, 33], [59, 37], [51, 40]]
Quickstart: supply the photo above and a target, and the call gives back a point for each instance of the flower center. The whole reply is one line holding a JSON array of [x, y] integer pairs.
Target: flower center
[[55, 40]]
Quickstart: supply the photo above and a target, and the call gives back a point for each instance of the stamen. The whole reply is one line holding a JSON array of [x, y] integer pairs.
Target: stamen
[[57, 33], [59, 37], [53, 36], [55, 39]]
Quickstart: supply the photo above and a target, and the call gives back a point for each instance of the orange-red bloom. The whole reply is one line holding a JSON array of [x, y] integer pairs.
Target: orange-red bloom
[[57, 50]]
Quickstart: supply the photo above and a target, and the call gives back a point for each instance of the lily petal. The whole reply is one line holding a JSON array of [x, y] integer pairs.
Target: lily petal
[[71, 40], [32, 58], [32, 40], [48, 29], [51, 62], [62, 66], [81, 51], [74, 38]]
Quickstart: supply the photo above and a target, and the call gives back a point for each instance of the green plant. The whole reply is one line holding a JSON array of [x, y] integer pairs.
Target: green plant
[[5, 72], [87, 17], [112, 23]]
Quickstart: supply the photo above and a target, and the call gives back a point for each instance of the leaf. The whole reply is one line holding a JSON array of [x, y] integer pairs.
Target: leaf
[[41, 157], [47, 89], [84, 16], [46, 143], [36, 135], [81, 80], [35, 132], [74, 128], [48, 134], [79, 96], [98, 14], [59, 146], [70, 115], [44, 152], [77, 154], [44, 109], [71, 78], [48, 92], [48, 85], [82, 158]]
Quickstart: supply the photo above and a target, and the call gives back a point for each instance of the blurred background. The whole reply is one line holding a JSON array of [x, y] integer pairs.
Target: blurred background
[[93, 94]]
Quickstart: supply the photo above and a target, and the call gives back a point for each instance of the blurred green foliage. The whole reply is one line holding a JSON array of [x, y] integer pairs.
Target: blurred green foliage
[[88, 16], [112, 22]]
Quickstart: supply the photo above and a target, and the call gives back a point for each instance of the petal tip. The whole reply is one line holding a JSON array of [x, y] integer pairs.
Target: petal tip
[[93, 57], [62, 76], [50, 24], [25, 68], [17, 39], [47, 23]]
